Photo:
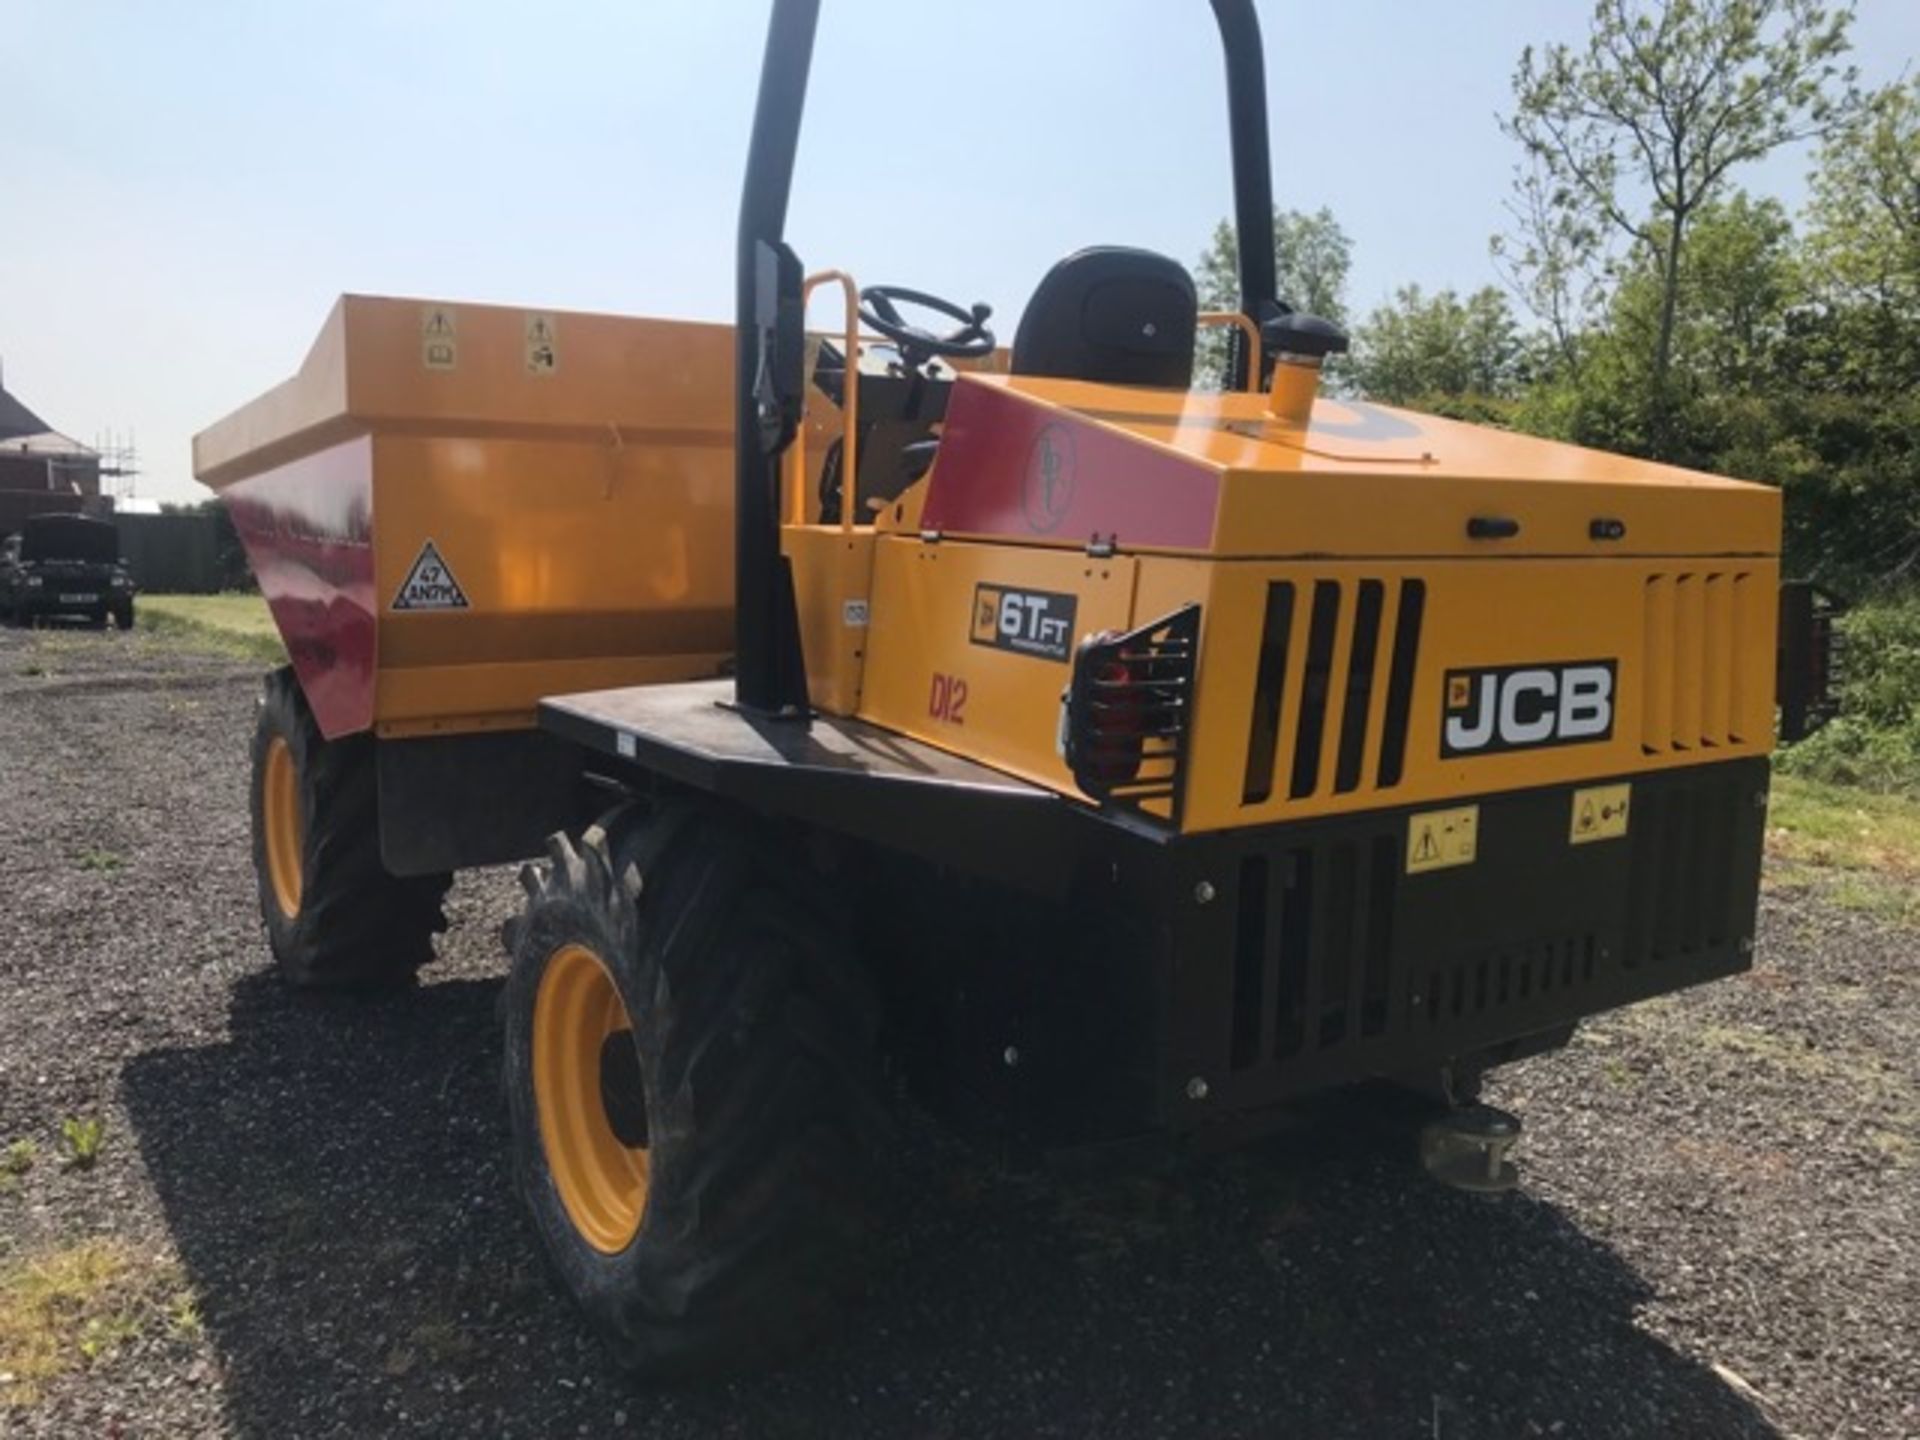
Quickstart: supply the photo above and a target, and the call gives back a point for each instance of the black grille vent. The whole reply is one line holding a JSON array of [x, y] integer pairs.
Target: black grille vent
[[1682, 901], [1321, 694], [1344, 966], [1526, 974], [1313, 940]]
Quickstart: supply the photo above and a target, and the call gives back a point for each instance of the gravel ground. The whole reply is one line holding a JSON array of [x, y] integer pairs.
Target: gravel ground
[[1718, 1233]]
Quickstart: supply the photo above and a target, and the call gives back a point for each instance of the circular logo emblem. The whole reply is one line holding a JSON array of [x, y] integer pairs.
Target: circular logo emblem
[[1048, 489]]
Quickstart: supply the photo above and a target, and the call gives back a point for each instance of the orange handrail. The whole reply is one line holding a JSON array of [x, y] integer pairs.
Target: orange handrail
[[1249, 332], [849, 412]]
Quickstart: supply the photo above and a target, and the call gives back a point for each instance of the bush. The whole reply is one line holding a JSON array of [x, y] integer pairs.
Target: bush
[[1846, 752], [1875, 741]]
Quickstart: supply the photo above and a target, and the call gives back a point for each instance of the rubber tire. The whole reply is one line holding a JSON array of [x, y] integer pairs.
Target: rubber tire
[[755, 1029], [358, 926], [123, 616]]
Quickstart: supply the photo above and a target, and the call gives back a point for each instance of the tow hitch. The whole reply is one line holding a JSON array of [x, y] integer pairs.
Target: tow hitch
[[1467, 1149]]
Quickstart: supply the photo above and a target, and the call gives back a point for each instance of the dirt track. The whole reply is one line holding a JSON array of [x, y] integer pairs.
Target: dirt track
[[1718, 1234]]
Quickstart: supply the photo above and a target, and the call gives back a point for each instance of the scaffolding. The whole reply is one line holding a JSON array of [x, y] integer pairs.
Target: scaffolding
[[119, 460]]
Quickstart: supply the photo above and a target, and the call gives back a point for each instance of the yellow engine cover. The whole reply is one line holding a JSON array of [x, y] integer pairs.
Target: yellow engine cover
[[1361, 644]]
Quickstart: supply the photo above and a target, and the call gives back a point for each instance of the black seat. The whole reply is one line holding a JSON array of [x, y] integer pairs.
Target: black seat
[[1114, 315]]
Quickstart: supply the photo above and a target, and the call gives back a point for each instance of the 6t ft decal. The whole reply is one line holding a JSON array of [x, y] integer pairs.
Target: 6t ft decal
[[1027, 622]]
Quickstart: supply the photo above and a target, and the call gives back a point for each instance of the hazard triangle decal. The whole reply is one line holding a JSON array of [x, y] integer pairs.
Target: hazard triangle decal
[[430, 584]]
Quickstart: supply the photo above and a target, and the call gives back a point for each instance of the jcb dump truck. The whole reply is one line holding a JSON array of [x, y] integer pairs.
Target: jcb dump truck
[[1123, 758]]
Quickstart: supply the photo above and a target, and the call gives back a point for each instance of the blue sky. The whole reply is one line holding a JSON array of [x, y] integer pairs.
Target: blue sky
[[187, 187]]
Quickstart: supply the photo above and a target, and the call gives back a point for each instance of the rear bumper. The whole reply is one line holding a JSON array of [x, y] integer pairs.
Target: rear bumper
[[1204, 981], [51, 605], [1328, 962]]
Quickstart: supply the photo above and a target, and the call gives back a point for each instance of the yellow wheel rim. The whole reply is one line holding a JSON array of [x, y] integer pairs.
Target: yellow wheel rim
[[602, 1180], [280, 818]]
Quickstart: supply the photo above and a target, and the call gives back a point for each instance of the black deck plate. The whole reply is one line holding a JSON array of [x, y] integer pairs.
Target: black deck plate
[[688, 731], [855, 777]]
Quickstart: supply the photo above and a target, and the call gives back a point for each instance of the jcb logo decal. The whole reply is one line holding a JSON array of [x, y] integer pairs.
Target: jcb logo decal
[[1526, 707], [1032, 622]]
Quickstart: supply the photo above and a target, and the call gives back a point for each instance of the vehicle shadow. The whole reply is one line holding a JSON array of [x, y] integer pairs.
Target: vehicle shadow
[[335, 1178]]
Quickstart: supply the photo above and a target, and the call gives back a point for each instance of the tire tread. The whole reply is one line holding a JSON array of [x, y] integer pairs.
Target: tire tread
[[359, 925], [756, 1030]]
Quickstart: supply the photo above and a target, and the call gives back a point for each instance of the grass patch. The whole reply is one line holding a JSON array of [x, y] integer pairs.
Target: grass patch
[[1860, 1077], [1783, 1053], [70, 1307], [1854, 848], [436, 1341], [82, 1135], [1843, 827], [15, 1161], [183, 1316], [238, 625]]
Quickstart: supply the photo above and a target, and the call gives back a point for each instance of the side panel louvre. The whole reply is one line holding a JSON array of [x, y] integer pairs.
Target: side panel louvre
[[1406, 654], [1689, 645], [1656, 666], [1737, 678], [1695, 687], [1313, 693], [1359, 687], [1333, 688], [1270, 691], [1716, 660]]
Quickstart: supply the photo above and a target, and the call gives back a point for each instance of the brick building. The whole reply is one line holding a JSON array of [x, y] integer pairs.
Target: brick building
[[41, 470]]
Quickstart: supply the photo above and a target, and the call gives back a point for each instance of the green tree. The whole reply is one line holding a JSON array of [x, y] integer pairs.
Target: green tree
[[1554, 261], [1312, 256], [1845, 402], [1637, 131], [1735, 290], [1440, 351], [1778, 376], [1865, 216], [1738, 278]]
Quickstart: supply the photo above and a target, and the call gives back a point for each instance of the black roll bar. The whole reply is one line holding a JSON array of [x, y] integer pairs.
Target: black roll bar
[[1252, 169], [764, 673]]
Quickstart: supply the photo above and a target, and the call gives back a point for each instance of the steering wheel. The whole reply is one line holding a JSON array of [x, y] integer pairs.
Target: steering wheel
[[879, 310]]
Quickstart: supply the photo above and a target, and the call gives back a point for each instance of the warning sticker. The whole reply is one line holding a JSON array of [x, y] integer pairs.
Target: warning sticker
[[430, 584], [543, 345], [1599, 813], [1439, 838], [439, 338]]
